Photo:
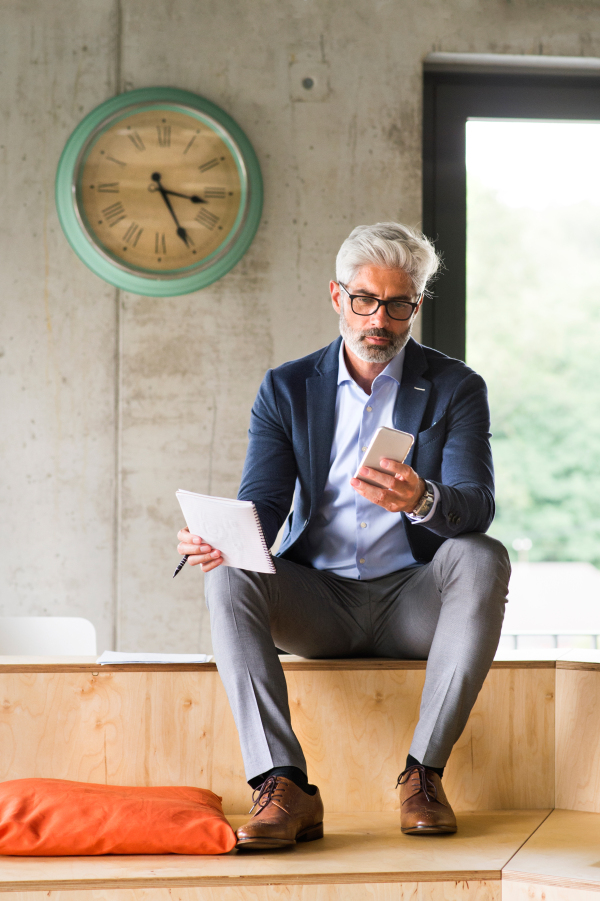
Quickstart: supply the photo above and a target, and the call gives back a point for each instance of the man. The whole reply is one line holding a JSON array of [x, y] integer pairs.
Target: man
[[402, 570]]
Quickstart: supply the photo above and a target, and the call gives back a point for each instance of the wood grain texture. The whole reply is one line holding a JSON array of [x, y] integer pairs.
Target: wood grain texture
[[357, 848], [356, 729], [173, 728], [505, 756], [148, 728], [580, 658], [407, 891], [531, 891], [564, 852], [578, 665], [22, 664], [578, 739]]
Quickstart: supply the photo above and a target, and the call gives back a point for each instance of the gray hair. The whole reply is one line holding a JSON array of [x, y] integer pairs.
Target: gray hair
[[388, 245]]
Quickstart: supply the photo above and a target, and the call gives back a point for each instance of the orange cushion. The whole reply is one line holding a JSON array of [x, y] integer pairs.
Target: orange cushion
[[53, 817]]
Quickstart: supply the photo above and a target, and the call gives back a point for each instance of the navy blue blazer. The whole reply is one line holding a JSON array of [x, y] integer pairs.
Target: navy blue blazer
[[440, 401]]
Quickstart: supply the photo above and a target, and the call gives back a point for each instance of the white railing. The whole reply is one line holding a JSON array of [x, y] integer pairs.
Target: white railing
[[553, 636]]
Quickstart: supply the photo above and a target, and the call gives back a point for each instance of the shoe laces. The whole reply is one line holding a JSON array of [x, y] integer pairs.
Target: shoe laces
[[266, 792], [427, 784]]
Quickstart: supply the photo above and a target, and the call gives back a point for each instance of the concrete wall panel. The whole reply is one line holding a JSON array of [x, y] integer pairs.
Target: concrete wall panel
[[57, 326], [112, 402]]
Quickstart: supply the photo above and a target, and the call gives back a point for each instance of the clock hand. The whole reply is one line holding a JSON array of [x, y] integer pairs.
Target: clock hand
[[193, 197], [181, 232]]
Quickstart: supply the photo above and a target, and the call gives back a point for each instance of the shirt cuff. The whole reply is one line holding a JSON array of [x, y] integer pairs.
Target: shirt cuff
[[436, 500]]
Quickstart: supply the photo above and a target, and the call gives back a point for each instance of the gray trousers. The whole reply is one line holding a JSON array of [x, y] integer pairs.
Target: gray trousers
[[448, 612]]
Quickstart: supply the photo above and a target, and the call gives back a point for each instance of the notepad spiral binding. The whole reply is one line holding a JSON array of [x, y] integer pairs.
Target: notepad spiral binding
[[263, 540]]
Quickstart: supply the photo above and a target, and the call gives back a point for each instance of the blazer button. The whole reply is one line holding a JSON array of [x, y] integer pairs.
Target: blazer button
[[458, 520]]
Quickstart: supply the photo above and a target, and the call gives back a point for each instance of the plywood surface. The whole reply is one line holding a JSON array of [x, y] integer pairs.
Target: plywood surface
[[564, 851], [504, 758], [530, 891], [583, 658], [474, 890], [175, 728], [578, 740], [291, 662], [356, 848], [356, 729], [145, 728], [19, 663]]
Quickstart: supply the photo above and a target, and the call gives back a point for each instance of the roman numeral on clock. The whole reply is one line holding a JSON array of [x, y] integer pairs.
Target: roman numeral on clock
[[191, 141], [207, 219], [114, 213], [164, 135], [214, 193], [111, 187], [136, 140], [160, 244], [209, 165], [133, 234]]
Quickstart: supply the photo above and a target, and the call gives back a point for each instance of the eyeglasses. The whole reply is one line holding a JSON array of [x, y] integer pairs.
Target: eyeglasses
[[367, 306]]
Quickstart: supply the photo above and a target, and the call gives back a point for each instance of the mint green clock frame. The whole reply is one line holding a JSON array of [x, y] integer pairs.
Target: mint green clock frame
[[175, 281]]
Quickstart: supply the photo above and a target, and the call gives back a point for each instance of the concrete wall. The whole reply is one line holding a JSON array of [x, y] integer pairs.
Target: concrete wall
[[112, 401]]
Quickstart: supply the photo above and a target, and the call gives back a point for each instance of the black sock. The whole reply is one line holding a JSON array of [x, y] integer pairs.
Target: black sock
[[412, 761], [293, 773]]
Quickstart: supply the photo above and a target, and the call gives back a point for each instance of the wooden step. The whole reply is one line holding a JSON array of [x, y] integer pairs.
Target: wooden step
[[560, 862], [363, 856], [151, 725], [578, 735], [171, 725]]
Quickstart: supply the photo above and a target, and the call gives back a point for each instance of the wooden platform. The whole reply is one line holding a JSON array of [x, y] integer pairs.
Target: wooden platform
[[531, 743], [358, 849], [156, 725], [560, 862], [509, 855], [578, 736]]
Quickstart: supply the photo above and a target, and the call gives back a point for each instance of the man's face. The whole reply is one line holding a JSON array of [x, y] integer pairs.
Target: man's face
[[376, 338]]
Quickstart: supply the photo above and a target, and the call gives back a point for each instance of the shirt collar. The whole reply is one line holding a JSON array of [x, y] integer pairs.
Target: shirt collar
[[393, 370]]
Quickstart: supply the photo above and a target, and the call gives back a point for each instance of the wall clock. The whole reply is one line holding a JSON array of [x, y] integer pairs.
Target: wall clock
[[159, 192]]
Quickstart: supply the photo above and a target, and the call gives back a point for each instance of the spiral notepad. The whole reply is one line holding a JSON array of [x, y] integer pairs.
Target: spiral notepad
[[233, 527]]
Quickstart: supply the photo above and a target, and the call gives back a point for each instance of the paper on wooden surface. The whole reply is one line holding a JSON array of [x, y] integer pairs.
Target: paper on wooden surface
[[113, 657]]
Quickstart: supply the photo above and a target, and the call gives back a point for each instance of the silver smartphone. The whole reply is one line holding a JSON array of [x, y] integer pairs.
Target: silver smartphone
[[389, 443]]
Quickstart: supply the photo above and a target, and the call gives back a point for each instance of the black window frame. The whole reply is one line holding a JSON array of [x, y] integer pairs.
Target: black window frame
[[450, 99]]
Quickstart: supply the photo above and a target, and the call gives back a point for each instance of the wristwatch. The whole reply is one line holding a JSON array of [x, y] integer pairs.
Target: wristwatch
[[425, 502]]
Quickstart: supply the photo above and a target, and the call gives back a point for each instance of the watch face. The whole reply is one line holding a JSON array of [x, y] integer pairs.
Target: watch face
[[161, 191]]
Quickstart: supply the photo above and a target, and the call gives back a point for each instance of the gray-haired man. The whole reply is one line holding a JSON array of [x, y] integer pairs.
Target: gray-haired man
[[402, 570]]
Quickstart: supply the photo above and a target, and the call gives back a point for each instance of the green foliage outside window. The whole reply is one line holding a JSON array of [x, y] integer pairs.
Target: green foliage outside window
[[533, 332]]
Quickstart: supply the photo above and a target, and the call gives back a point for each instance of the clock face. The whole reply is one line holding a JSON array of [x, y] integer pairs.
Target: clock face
[[161, 191]]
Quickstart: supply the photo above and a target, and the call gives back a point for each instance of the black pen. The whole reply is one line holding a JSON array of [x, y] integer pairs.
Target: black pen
[[180, 565]]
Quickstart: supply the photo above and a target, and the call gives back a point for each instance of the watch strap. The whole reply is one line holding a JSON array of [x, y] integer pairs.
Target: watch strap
[[425, 502]]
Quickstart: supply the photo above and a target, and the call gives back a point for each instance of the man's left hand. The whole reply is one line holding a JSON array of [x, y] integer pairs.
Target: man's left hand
[[400, 490]]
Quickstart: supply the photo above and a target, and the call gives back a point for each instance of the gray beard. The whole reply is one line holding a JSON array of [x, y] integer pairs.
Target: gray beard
[[354, 339]]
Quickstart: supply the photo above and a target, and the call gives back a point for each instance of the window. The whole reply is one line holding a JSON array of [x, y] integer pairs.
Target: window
[[512, 197]]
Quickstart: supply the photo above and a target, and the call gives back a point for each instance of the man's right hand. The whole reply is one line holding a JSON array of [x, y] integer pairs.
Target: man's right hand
[[199, 553]]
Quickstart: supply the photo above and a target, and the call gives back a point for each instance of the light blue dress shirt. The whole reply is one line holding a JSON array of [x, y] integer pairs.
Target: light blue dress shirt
[[350, 535]]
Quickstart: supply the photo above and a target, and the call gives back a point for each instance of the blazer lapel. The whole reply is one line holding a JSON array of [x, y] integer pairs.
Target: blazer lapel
[[321, 392], [413, 393]]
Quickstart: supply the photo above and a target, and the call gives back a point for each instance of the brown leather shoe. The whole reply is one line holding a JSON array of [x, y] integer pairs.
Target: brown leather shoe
[[285, 815], [424, 806]]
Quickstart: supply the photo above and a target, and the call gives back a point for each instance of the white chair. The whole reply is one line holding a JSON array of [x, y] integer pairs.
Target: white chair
[[47, 636]]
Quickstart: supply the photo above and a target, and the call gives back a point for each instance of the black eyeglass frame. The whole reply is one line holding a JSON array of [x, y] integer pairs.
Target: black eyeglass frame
[[383, 303]]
